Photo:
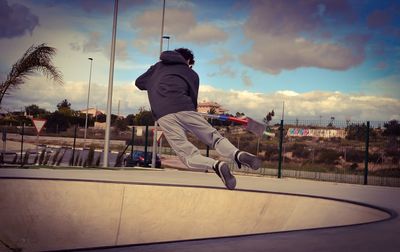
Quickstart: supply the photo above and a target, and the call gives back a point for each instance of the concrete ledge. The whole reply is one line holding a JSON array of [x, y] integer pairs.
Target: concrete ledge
[[52, 214]]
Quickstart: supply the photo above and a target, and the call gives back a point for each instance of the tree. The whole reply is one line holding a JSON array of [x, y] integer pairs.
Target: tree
[[64, 104], [392, 131], [144, 117], [57, 122], [358, 132], [268, 117], [101, 118], [36, 58], [64, 107], [63, 118], [35, 111], [392, 128], [121, 125], [130, 119]]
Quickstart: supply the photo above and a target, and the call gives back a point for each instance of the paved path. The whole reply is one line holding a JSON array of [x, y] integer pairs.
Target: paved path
[[380, 236]]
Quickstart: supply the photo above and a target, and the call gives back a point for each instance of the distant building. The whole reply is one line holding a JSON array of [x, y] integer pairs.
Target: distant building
[[207, 106], [92, 111]]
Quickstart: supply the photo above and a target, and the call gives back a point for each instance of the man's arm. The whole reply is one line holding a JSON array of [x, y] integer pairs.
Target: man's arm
[[194, 91], [141, 81]]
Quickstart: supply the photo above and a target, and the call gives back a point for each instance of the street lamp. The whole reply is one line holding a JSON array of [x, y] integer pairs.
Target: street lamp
[[167, 37], [87, 103], [110, 87]]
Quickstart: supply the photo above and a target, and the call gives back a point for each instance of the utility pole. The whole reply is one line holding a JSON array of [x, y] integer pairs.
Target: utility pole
[[153, 158], [110, 88]]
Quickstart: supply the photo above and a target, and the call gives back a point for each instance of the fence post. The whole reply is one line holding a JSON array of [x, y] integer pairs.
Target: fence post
[[208, 147], [132, 140], [73, 147], [280, 150], [146, 139], [366, 154], [22, 142]]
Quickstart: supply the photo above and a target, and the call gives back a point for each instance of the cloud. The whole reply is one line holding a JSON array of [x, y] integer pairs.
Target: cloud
[[16, 20], [49, 95], [379, 18], [180, 24], [308, 105], [223, 57], [142, 45], [92, 43], [246, 79], [224, 71], [222, 60], [204, 34], [75, 46], [121, 50], [385, 21], [289, 35], [388, 86], [177, 21]]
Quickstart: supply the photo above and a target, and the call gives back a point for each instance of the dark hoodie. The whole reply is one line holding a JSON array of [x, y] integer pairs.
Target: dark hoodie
[[172, 86]]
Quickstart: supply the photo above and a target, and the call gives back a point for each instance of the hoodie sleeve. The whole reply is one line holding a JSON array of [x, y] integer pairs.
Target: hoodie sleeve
[[194, 90], [142, 81]]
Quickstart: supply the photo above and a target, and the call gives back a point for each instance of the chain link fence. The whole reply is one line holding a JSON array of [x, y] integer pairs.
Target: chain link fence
[[339, 151]]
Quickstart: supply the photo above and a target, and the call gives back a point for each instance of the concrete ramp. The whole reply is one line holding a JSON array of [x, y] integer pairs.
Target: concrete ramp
[[37, 215]]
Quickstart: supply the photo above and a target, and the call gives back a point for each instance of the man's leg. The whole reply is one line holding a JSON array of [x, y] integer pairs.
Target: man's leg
[[188, 153], [199, 126]]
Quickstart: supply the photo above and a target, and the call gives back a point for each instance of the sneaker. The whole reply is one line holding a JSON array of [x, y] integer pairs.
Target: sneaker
[[247, 159], [222, 170]]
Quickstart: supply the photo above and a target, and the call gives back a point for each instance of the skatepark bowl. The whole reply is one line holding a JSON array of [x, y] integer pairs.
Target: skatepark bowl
[[57, 214]]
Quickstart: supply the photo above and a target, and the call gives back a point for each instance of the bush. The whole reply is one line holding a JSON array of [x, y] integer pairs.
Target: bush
[[375, 158], [328, 156], [300, 151], [271, 153], [355, 156]]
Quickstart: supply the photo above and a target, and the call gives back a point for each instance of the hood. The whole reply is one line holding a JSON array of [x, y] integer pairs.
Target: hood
[[172, 57]]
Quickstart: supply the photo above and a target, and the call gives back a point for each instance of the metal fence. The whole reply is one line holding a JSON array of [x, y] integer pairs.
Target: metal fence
[[339, 151]]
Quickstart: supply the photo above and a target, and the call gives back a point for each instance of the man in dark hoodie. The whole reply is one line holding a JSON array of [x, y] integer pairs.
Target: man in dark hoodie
[[172, 87]]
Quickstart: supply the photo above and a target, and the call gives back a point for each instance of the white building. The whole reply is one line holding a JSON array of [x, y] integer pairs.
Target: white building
[[92, 111], [207, 106]]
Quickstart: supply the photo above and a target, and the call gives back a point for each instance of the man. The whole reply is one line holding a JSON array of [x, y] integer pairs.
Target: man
[[172, 87]]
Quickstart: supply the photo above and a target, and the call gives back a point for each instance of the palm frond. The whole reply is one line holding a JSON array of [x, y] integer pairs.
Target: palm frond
[[36, 58]]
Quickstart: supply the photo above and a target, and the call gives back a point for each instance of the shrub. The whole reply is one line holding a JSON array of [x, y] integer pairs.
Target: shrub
[[328, 156], [300, 151], [355, 156]]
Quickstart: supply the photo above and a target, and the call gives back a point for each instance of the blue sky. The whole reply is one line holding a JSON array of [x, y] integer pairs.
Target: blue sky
[[322, 58]]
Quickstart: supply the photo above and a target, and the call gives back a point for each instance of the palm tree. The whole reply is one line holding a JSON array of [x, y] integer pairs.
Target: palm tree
[[36, 58]]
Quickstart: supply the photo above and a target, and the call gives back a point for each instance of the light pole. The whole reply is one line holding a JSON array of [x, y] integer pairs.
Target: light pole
[[153, 159], [167, 37], [110, 87], [87, 103]]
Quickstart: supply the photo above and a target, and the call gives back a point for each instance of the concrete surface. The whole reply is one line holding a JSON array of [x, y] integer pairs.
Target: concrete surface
[[152, 206]]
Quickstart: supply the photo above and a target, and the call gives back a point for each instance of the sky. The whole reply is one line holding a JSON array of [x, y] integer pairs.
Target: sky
[[310, 59]]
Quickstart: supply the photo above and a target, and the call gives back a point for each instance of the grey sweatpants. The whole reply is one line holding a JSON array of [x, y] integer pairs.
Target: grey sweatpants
[[175, 127]]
